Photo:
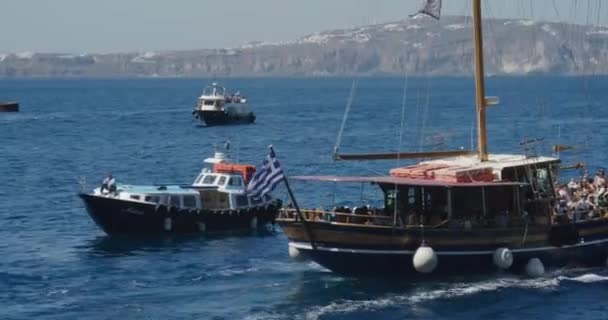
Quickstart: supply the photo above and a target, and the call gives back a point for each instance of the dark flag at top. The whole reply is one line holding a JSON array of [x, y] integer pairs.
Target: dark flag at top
[[431, 8]]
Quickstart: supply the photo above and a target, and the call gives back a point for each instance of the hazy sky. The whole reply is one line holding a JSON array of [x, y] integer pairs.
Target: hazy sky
[[79, 26]]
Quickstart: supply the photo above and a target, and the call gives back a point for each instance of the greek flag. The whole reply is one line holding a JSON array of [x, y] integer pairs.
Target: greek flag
[[266, 178], [431, 8]]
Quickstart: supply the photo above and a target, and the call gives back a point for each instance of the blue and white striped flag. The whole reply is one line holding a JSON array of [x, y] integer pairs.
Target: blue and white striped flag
[[266, 178]]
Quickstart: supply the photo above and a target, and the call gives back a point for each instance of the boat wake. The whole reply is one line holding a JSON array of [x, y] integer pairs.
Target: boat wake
[[585, 278], [440, 291]]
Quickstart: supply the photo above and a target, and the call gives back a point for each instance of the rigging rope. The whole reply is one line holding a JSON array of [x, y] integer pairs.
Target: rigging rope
[[403, 104], [349, 103]]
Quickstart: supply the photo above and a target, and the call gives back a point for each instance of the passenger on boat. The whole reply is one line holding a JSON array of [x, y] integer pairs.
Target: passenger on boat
[[109, 184], [590, 186], [599, 180], [581, 209], [592, 204], [573, 185], [363, 211], [501, 220], [564, 194]]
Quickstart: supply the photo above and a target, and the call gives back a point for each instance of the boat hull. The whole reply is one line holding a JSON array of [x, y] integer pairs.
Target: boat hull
[[116, 216], [9, 107], [215, 118], [357, 250]]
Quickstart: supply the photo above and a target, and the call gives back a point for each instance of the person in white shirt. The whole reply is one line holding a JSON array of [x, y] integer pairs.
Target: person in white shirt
[[109, 183], [563, 194], [573, 185], [581, 209], [599, 180]]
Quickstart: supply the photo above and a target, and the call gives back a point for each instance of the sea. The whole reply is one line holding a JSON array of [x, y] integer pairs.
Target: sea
[[55, 263]]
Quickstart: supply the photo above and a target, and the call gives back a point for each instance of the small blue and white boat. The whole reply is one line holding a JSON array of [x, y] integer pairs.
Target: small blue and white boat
[[215, 201]]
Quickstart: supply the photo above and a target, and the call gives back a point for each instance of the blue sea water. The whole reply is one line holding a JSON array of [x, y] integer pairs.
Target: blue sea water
[[57, 264]]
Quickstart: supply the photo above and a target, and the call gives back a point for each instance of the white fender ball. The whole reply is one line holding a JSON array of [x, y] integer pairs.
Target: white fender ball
[[254, 223], [535, 268], [168, 224], [295, 254], [425, 259], [202, 227], [503, 258]]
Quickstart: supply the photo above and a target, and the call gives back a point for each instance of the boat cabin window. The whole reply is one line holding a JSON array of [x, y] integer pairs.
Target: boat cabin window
[[208, 102], [209, 179], [151, 199], [494, 206], [490, 206], [542, 180], [418, 200], [235, 181], [241, 200], [189, 201], [174, 201], [134, 197], [222, 181], [467, 203], [213, 199], [539, 179]]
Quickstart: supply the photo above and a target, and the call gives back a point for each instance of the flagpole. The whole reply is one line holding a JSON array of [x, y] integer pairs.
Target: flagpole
[[298, 212]]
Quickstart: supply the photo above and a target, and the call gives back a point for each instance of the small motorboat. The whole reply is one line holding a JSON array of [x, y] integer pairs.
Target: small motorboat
[[215, 201], [9, 107], [216, 107]]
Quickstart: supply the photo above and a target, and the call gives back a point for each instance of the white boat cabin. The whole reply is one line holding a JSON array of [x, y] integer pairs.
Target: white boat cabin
[[210, 190], [215, 98]]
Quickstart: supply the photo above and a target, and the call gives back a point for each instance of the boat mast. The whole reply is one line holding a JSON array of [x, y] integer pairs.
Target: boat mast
[[482, 143]]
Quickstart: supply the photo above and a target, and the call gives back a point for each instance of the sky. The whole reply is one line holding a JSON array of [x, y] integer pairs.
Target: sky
[[103, 26]]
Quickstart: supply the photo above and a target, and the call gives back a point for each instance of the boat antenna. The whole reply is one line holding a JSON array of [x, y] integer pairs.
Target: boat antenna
[[349, 104]]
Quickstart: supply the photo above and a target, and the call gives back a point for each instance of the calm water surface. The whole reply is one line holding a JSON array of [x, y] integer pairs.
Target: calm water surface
[[56, 264]]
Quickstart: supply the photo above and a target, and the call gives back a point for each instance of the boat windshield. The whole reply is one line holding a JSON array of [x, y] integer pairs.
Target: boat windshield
[[214, 90]]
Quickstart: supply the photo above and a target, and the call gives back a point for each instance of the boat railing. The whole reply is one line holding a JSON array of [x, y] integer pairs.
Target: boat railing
[[581, 216], [333, 216], [378, 218], [371, 218]]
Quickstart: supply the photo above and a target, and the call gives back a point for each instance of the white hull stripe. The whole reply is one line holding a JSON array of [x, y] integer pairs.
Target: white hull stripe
[[307, 246]]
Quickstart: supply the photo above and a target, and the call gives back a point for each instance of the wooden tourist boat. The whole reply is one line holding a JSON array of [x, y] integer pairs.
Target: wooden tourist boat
[[460, 212], [215, 201]]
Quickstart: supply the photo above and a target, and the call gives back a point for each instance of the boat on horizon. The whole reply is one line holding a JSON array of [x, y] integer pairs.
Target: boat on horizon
[[458, 212], [215, 201], [217, 107], [9, 106]]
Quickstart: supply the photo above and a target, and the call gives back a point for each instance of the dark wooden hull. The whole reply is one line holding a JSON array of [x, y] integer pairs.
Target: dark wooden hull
[[9, 107], [215, 118], [359, 249], [117, 216]]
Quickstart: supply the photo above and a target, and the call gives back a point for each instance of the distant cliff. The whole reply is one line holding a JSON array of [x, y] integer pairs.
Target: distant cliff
[[415, 46]]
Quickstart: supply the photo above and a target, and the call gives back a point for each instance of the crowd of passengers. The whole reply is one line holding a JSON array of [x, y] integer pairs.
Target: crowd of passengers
[[582, 198]]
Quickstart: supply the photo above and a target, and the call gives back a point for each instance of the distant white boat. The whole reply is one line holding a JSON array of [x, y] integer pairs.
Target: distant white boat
[[216, 107]]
